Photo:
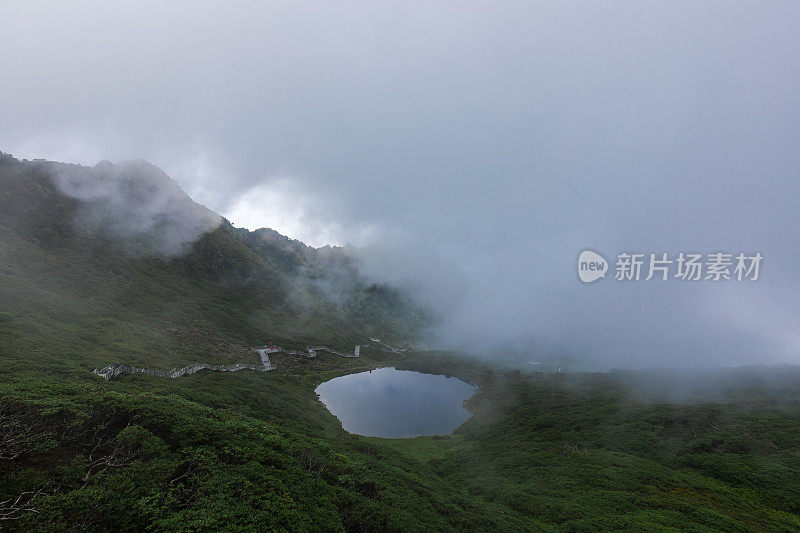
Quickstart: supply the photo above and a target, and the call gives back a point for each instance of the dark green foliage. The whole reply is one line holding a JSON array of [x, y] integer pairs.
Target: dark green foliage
[[254, 450]]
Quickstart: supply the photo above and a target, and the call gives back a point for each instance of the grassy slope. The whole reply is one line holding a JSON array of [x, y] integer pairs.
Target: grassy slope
[[586, 452], [78, 301], [542, 452], [250, 449]]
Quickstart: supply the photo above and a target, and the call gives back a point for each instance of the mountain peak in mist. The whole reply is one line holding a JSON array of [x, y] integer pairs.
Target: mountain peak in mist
[[136, 204], [131, 215]]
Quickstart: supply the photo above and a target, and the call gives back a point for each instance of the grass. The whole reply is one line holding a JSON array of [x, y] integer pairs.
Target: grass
[[542, 452]]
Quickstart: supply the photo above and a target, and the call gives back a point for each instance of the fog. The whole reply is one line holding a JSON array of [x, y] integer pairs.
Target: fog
[[470, 150], [136, 205]]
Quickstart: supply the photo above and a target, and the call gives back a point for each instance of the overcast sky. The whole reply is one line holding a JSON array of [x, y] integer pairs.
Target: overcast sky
[[472, 149]]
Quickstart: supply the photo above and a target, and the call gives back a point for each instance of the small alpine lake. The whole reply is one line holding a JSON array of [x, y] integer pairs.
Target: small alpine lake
[[392, 403]]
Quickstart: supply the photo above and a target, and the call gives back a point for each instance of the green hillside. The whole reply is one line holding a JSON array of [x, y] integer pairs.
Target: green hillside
[[256, 451], [80, 294]]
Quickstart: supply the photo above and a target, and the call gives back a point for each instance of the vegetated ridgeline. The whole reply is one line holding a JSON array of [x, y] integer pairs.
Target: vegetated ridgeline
[[112, 371]]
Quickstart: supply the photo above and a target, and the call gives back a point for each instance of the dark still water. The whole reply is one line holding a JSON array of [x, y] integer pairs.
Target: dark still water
[[397, 403]]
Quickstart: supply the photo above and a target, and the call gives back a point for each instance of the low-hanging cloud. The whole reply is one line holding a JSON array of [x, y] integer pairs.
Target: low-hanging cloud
[[135, 204], [472, 150]]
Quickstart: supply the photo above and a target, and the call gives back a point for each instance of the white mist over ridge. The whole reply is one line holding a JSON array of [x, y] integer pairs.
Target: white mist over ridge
[[470, 151], [137, 205]]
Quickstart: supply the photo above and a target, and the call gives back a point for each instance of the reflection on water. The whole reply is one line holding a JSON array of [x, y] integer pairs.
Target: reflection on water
[[397, 403]]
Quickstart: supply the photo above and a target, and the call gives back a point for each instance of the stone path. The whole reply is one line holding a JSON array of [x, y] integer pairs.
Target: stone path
[[115, 370]]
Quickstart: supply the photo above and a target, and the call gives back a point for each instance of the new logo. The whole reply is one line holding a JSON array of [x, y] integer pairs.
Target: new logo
[[591, 266]]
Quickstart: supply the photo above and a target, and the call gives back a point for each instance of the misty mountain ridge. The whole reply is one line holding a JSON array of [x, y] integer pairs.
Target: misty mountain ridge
[[136, 204], [123, 242]]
